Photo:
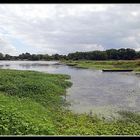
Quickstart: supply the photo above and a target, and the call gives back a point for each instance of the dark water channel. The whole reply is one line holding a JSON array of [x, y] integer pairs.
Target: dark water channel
[[103, 93]]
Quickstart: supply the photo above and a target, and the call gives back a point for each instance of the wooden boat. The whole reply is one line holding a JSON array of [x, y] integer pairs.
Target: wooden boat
[[105, 70]]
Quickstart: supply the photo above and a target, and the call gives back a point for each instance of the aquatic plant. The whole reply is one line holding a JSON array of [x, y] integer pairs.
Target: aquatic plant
[[31, 104]]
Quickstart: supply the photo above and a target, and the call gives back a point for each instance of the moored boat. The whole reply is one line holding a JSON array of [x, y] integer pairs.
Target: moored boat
[[105, 70]]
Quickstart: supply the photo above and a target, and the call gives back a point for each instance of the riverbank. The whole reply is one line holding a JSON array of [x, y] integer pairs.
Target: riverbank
[[111, 65], [31, 103]]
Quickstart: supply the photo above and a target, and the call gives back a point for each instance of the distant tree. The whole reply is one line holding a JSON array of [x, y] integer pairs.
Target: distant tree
[[8, 57], [120, 54], [1, 56], [46, 57], [126, 54], [98, 55], [27, 56], [112, 54], [138, 55], [130, 54], [34, 57], [92, 55], [55, 56]]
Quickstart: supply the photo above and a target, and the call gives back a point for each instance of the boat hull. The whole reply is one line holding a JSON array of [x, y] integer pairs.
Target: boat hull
[[117, 70]]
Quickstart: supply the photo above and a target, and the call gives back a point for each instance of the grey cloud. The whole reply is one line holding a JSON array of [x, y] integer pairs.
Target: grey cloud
[[65, 32]]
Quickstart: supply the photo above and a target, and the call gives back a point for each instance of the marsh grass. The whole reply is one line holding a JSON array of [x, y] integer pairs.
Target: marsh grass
[[118, 65], [31, 104]]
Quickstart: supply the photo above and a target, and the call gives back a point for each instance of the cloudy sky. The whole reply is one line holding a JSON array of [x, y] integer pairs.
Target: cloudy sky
[[65, 28]]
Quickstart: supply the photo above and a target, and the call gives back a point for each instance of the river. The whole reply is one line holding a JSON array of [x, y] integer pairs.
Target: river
[[103, 93]]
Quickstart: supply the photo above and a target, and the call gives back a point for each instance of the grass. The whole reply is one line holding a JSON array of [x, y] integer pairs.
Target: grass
[[114, 65], [31, 103]]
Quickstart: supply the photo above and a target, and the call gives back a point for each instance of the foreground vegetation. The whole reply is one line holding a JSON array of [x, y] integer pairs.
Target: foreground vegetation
[[116, 64], [31, 103]]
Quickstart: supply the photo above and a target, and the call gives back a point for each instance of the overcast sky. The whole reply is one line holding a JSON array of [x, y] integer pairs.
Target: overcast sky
[[65, 28]]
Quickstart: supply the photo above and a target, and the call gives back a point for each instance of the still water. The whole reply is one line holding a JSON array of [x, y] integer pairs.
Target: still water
[[103, 93]]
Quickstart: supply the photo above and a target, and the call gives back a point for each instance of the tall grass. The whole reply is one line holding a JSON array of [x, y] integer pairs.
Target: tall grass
[[120, 64]]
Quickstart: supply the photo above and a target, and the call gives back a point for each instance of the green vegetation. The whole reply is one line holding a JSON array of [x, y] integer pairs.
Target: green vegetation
[[34, 57], [111, 54], [116, 64], [31, 103]]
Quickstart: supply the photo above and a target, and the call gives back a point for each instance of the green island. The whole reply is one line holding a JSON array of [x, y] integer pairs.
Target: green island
[[32, 103], [110, 64]]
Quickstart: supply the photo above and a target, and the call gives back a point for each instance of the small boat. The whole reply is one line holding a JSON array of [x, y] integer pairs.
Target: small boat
[[117, 70]]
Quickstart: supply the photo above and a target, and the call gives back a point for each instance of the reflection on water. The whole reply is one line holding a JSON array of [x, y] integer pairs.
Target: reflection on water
[[92, 90]]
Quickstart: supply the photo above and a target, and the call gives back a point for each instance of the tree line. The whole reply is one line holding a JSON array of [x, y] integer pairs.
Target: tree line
[[110, 54], [33, 57]]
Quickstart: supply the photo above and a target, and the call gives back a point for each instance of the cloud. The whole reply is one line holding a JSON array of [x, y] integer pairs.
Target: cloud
[[6, 47], [65, 28]]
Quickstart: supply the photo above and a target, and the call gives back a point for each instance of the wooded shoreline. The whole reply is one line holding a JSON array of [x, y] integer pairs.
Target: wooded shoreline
[[111, 54]]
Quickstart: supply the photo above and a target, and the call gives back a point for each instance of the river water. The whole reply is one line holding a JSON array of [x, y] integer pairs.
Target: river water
[[103, 93]]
